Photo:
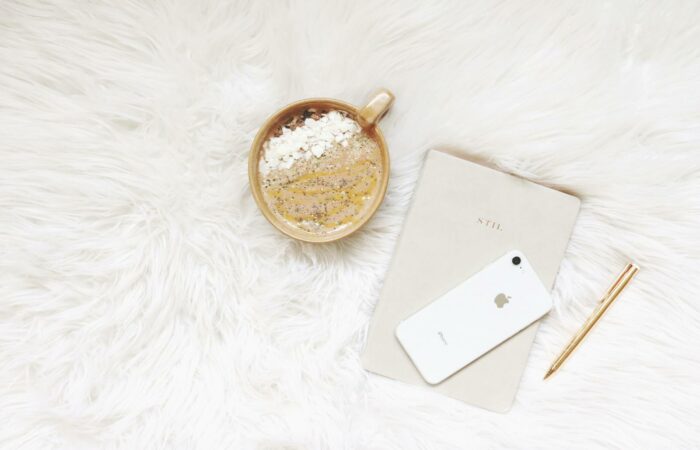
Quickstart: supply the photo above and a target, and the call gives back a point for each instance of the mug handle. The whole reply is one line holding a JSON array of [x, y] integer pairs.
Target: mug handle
[[370, 114]]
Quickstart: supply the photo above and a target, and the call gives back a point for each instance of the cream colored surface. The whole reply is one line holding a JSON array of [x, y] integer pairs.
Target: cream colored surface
[[443, 242], [146, 303]]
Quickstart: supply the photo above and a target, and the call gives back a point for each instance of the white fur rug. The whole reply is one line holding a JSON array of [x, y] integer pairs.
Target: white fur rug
[[146, 303]]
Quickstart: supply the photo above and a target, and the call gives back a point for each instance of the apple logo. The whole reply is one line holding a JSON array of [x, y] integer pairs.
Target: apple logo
[[501, 300]]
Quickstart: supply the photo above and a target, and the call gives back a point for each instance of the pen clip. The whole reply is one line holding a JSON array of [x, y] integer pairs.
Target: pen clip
[[630, 267]]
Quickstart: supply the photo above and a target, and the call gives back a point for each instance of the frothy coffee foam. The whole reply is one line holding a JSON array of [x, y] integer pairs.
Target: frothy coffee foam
[[325, 193]]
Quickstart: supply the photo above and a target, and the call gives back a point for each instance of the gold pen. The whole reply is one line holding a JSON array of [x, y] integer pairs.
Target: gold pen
[[608, 298]]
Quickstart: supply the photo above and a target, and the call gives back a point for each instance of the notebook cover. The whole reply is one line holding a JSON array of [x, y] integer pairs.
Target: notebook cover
[[464, 216]]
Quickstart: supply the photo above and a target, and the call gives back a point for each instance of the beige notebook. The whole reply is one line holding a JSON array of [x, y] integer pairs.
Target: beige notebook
[[464, 216]]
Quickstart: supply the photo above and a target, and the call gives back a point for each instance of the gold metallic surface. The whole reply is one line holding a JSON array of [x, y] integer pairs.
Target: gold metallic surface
[[608, 298]]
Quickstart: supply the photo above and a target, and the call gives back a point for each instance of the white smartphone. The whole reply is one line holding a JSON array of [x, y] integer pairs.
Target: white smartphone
[[474, 317]]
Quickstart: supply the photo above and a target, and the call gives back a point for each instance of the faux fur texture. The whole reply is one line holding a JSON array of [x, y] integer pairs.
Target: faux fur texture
[[146, 303]]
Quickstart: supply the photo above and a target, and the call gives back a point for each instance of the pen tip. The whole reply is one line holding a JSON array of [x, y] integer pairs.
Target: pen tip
[[548, 374]]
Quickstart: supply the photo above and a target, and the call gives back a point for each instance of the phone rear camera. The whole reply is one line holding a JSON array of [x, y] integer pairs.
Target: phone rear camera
[[516, 260]]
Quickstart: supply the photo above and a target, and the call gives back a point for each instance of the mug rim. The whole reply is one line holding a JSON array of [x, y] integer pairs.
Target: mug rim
[[254, 175]]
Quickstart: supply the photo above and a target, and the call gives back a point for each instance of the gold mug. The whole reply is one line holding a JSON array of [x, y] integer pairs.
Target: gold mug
[[368, 117]]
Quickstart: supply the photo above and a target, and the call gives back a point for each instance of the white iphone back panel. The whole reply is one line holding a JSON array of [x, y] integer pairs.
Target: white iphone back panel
[[474, 317]]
